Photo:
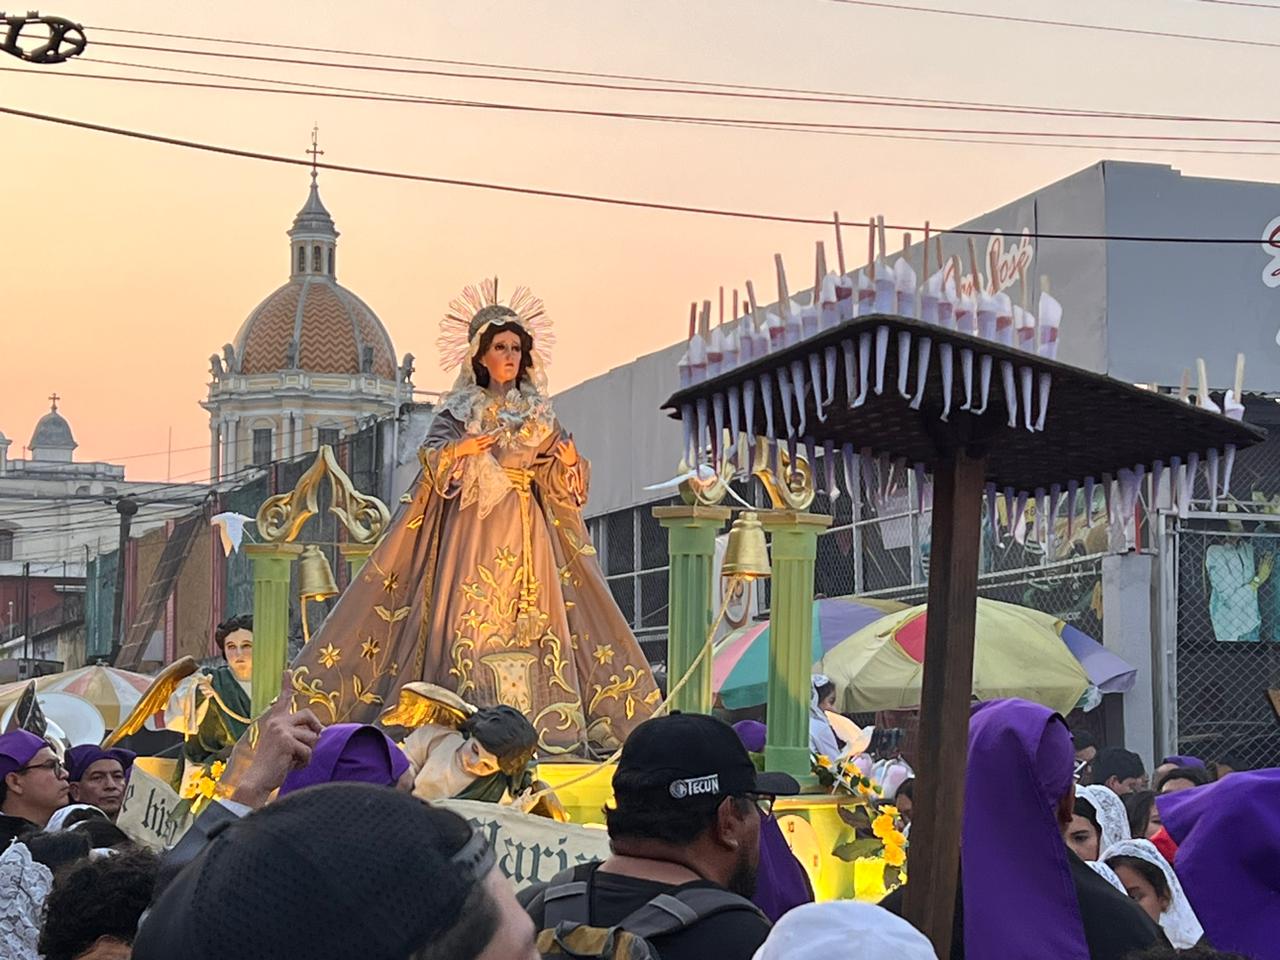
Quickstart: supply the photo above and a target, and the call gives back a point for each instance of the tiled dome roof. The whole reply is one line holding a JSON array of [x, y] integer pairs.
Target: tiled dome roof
[[329, 325], [52, 431]]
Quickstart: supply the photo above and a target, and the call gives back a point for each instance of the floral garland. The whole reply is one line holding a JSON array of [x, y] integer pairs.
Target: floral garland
[[877, 834]]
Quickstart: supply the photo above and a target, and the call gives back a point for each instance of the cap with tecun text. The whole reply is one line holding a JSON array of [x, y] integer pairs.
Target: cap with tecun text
[[691, 755]]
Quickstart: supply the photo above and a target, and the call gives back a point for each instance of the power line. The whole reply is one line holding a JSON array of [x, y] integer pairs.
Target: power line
[[1242, 3], [583, 197], [802, 95], [796, 126], [1095, 27]]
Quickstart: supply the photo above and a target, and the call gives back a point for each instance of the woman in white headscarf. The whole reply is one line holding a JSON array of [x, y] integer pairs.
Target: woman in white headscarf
[[822, 739], [839, 928], [1150, 881], [1113, 820]]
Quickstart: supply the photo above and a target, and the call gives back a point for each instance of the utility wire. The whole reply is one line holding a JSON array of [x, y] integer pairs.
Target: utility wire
[[801, 126], [1068, 24], [585, 197]]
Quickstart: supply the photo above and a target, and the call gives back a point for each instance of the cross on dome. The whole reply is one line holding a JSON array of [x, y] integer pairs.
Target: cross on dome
[[54, 398], [315, 152]]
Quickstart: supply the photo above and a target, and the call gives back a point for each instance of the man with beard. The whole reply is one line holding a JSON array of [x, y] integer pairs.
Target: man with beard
[[685, 825]]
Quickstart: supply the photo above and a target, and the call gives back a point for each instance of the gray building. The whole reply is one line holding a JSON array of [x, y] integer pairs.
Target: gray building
[[1137, 308]]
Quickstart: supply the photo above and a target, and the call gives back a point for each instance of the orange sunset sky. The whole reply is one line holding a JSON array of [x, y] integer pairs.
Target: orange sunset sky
[[124, 264]]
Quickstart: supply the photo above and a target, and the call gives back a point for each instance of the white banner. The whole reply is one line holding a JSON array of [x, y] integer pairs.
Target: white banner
[[531, 849], [146, 817]]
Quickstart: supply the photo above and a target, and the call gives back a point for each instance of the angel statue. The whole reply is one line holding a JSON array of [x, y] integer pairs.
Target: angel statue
[[486, 582], [459, 751]]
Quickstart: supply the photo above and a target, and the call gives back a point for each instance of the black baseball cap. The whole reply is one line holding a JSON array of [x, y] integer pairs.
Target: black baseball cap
[[336, 870], [689, 755]]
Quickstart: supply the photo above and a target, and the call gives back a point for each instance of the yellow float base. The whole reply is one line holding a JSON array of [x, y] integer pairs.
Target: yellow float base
[[810, 823]]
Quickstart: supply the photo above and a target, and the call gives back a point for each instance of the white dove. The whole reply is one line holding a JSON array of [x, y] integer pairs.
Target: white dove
[[231, 529], [702, 478]]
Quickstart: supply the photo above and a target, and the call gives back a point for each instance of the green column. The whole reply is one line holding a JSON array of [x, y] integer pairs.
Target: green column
[[691, 544], [795, 549], [272, 563], [355, 554]]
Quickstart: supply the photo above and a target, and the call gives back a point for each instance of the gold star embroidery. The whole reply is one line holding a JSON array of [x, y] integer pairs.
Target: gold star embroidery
[[329, 655], [505, 558], [390, 582], [603, 654], [369, 649], [472, 619]]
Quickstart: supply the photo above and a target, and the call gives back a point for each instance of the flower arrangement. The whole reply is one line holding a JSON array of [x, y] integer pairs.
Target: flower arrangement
[[199, 791], [874, 821]]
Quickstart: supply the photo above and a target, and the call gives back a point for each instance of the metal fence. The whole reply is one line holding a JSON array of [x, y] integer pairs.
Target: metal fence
[[1228, 641], [1227, 652]]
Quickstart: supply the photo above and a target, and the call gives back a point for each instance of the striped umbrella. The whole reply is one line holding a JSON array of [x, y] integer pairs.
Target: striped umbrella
[[740, 672], [1018, 652], [114, 692]]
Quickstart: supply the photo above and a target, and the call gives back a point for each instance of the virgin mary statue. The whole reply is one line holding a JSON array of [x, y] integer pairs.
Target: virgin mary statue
[[486, 582]]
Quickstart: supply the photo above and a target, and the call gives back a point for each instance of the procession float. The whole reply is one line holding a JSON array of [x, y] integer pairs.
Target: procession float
[[477, 627]]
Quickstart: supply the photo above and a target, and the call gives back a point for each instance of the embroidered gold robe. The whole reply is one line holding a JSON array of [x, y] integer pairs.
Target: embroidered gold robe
[[487, 584]]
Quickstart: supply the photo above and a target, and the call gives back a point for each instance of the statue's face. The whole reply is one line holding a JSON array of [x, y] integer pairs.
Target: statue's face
[[476, 760], [502, 359], [239, 653]]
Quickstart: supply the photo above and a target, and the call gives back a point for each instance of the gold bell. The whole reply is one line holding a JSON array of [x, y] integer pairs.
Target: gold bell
[[315, 576], [746, 557], [315, 582]]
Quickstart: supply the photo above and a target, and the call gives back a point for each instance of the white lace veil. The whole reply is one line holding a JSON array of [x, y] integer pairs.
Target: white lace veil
[[1112, 817], [24, 886], [1179, 921]]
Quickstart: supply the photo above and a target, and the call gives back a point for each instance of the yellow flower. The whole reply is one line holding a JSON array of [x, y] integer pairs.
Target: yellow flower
[[864, 790], [369, 649], [206, 788], [603, 654], [894, 855], [329, 655], [390, 582], [505, 558], [882, 826], [890, 809], [823, 761], [849, 768], [216, 768]]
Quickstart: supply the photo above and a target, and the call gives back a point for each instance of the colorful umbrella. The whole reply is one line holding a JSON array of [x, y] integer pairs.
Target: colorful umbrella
[[114, 692], [740, 673], [1016, 654]]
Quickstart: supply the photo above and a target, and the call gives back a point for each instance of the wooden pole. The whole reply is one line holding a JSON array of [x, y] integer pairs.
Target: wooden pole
[[944, 698]]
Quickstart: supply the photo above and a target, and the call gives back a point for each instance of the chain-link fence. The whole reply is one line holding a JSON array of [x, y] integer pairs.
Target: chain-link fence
[[1228, 646]]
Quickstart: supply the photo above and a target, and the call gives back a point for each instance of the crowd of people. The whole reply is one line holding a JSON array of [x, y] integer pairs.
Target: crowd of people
[[316, 847]]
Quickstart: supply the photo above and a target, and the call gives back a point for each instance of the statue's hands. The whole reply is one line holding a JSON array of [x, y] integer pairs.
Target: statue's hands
[[567, 452], [204, 686], [279, 741], [472, 445]]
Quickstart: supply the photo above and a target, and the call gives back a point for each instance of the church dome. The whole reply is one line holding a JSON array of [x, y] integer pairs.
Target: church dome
[[313, 323], [52, 432]]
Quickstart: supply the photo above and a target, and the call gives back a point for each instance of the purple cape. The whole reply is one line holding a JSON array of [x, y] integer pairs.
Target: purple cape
[[781, 883], [16, 750], [350, 752], [81, 758], [1228, 860], [1019, 899]]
